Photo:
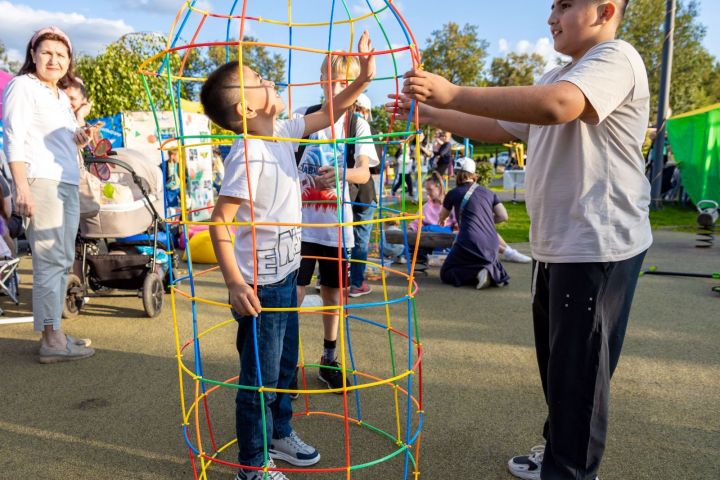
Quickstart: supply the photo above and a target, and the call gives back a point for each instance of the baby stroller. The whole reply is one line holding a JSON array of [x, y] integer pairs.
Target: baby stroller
[[122, 247]]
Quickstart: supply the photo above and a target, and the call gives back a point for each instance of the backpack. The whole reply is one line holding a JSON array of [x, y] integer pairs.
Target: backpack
[[359, 193]]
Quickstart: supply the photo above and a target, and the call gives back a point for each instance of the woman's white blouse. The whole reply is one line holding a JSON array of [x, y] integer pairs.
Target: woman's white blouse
[[38, 130]]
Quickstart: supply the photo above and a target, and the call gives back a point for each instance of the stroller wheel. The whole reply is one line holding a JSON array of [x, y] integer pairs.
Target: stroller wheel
[[74, 297], [152, 294]]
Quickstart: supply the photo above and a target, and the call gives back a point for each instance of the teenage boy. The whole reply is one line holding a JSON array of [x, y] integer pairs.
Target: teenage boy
[[588, 201], [261, 184], [320, 206]]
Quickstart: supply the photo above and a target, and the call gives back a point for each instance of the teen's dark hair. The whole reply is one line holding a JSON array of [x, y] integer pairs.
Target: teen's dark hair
[[220, 94], [29, 66]]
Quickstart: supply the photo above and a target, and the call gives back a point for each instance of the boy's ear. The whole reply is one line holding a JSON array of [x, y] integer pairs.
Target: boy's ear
[[608, 11], [246, 112]]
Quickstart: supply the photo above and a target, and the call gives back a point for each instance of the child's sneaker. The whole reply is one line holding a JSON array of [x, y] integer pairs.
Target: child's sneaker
[[363, 289], [259, 474], [332, 377], [515, 257], [528, 466], [294, 451], [483, 279]]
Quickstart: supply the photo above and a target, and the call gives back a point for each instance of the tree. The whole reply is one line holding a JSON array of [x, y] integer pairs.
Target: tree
[[6, 64], [516, 69], [269, 66], [114, 83], [457, 54], [693, 65]]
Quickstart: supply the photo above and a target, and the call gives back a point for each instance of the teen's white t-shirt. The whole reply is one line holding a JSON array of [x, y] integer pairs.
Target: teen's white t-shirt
[[320, 206], [586, 191], [275, 193]]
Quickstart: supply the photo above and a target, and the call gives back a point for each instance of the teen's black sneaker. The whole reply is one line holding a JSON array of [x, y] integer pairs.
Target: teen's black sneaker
[[528, 466], [294, 451], [259, 475], [330, 376]]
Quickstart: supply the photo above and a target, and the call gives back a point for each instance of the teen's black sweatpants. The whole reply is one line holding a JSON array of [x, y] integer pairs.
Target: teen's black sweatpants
[[580, 314]]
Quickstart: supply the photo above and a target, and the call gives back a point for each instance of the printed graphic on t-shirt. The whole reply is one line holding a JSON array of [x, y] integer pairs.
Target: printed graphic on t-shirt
[[316, 157], [284, 252]]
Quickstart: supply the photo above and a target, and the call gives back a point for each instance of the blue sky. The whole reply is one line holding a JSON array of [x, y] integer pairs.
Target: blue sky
[[511, 25]]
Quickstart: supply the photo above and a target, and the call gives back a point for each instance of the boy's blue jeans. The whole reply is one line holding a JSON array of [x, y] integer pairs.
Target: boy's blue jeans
[[360, 250], [277, 340]]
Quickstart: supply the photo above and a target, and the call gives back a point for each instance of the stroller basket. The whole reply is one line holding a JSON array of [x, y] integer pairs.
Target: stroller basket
[[126, 272]]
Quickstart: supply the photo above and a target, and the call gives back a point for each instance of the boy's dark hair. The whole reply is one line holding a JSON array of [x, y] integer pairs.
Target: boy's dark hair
[[220, 94]]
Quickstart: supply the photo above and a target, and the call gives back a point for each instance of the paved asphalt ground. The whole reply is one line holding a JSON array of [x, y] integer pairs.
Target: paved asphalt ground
[[117, 415]]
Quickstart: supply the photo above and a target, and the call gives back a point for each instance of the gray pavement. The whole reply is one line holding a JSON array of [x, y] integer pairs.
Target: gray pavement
[[117, 415]]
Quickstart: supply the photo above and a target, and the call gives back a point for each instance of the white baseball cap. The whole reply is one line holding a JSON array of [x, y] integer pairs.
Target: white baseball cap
[[363, 101], [465, 164]]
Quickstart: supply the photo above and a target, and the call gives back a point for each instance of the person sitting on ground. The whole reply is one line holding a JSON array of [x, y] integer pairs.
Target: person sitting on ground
[[435, 190], [473, 259], [265, 178]]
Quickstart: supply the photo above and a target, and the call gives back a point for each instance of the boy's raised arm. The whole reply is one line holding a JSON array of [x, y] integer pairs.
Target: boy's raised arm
[[341, 102], [557, 103]]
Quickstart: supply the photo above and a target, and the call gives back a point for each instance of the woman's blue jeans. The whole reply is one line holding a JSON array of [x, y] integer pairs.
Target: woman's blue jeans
[[277, 345]]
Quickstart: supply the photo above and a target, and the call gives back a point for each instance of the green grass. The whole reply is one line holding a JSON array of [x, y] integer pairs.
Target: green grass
[[517, 228]]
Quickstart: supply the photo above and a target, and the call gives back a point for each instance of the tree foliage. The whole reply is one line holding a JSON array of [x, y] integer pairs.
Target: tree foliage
[[114, 84], [269, 66], [457, 54], [693, 65], [112, 79], [516, 69], [6, 64]]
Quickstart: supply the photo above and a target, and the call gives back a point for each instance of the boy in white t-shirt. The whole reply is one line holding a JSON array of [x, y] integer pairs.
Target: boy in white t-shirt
[[588, 201], [262, 185]]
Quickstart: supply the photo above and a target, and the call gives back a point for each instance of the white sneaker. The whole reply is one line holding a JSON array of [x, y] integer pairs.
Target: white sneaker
[[528, 466], [260, 475], [515, 257], [483, 279], [294, 451]]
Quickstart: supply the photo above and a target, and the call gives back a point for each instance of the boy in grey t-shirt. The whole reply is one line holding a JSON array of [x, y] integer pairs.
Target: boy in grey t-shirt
[[588, 201]]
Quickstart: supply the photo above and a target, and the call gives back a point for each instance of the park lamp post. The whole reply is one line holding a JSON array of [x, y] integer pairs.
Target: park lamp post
[[664, 105]]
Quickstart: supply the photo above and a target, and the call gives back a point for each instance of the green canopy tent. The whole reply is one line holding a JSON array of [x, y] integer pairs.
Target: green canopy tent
[[695, 141]]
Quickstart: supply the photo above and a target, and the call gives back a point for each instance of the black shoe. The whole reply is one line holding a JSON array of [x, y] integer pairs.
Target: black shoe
[[332, 376]]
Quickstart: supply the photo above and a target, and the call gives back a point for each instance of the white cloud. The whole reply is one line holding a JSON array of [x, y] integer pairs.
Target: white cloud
[[543, 47], [503, 45], [88, 35]]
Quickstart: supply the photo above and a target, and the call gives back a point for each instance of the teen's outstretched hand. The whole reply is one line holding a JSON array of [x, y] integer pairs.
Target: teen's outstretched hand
[[401, 105], [367, 62], [429, 88]]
